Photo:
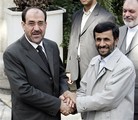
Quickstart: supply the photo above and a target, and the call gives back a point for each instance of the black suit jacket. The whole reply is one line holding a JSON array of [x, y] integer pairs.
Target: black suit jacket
[[34, 90]]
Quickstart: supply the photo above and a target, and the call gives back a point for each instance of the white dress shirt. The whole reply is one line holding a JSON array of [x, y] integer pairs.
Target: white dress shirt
[[130, 34]]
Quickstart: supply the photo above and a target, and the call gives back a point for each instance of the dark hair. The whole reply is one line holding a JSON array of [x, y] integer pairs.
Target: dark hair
[[27, 9], [105, 26]]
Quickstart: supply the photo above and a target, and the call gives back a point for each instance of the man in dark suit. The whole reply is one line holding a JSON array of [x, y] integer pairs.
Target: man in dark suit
[[82, 44], [36, 85], [128, 40]]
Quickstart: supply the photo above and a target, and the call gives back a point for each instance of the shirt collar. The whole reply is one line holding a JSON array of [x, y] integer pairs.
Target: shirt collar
[[106, 58], [133, 29], [34, 44]]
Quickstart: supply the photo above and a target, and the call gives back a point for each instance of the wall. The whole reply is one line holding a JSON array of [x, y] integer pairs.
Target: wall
[[3, 4]]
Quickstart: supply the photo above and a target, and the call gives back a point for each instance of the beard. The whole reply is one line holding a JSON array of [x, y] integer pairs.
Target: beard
[[108, 51], [132, 23]]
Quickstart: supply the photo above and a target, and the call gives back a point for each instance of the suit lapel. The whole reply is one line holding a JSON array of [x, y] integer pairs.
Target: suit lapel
[[33, 55], [122, 39], [101, 73], [123, 46], [134, 42], [91, 18], [49, 52], [122, 36], [76, 26], [79, 20]]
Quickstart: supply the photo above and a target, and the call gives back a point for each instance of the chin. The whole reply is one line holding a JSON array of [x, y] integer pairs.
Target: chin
[[130, 24]]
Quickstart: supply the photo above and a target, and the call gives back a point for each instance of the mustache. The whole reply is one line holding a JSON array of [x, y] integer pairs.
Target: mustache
[[36, 32], [128, 17], [99, 47]]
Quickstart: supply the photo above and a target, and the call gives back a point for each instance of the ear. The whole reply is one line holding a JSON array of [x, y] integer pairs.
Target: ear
[[46, 24], [23, 24], [116, 41]]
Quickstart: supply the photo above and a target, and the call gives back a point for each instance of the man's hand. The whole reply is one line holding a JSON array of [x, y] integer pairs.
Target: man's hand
[[66, 97], [68, 101], [71, 96], [65, 109]]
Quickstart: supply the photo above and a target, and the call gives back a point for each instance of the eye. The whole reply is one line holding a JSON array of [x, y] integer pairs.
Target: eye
[[31, 23], [132, 11], [124, 10], [98, 39], [129, 11], [106, 39], [41, 23]]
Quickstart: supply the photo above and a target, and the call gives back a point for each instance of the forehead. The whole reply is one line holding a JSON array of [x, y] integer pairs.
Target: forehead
[[131, 4], [104, 34], [34, 14]]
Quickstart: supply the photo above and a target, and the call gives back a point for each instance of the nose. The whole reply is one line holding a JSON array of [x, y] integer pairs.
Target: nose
[[102, 43], [36, 27], [126, 14]]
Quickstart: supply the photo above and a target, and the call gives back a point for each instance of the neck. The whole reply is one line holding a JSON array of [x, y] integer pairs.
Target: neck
[[88, 6]]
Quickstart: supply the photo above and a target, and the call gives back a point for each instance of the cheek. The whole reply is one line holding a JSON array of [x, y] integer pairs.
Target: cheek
[[96, 44], [43, 29], [135, 17]]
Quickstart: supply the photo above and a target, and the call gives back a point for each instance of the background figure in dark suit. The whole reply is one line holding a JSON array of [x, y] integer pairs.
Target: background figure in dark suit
[[81, 45], [128, 40], [35, 86]]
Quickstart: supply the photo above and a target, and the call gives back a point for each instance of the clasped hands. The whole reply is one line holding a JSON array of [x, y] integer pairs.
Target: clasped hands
[[68, 103]]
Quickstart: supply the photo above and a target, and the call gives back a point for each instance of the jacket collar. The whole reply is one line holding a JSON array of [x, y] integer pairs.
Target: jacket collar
[[115, 55]]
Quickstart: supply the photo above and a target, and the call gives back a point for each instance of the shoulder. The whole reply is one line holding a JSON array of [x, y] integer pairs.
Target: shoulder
[[94, 60], [50, 42], [124, 60], [13, 51], [102, 10], [104, 14], [77, 13], [14, 47], [124, 27]]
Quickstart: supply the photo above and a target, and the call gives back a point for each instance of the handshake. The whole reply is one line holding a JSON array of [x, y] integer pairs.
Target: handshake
[[68, 103]]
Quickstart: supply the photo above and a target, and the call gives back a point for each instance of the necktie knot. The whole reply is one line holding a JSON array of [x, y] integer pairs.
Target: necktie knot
[[39, 48]]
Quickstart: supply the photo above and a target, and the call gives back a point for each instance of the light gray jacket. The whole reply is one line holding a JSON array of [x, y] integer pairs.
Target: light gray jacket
[[108, 95]]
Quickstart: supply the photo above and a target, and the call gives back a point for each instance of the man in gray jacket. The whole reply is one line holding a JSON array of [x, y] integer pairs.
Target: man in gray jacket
[[107, 88]]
